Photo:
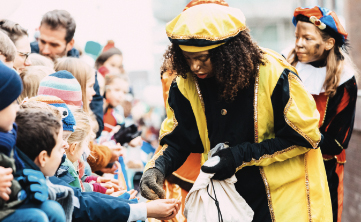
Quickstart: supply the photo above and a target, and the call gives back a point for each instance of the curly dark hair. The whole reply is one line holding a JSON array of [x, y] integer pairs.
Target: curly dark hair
[[235, 63]]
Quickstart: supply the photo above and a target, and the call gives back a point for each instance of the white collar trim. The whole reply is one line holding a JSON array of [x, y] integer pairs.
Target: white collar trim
[[313, 78]]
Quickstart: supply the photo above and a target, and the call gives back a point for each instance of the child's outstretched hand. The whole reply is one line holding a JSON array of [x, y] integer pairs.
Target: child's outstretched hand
[[6, 177], [105, 180], [118, 193], [131, 194], [110, 185], [163, 209]]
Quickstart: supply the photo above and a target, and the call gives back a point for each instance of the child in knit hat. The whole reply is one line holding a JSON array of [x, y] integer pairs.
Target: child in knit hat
[[69, 123], [13, 194], [73, 166], [64, 85], [10, 89], [68, 119]]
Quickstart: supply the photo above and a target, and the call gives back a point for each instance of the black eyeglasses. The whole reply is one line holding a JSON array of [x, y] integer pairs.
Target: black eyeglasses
[[23, 54]]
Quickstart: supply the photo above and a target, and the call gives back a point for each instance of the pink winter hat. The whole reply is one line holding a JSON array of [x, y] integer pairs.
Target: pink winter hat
[[63, 85]]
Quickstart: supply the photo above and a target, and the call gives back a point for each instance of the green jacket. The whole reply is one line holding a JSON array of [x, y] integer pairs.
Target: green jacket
[[7, 208]]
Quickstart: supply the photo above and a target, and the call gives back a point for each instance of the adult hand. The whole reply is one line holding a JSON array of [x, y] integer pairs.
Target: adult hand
[[151, 184], [225, 168], [6, 177], [163, 209]]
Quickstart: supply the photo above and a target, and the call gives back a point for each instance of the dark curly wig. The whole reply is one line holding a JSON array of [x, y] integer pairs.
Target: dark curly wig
[[234, 63]]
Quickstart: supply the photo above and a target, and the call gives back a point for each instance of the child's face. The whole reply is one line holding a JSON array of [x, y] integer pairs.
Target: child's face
[[74, 153], [53, 161], [116, 91], [90, 88], [66, 135], [21, 60], [7, 116], [114, 64]]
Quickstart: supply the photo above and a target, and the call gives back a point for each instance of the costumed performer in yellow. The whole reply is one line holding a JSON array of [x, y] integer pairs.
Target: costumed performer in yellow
[[229, 90]]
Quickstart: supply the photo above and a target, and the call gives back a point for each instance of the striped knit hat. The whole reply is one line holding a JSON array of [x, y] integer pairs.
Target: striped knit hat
[[63, 85], [68, 119]]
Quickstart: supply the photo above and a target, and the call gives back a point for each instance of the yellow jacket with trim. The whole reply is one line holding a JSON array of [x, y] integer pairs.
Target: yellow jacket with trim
[[294, 178]]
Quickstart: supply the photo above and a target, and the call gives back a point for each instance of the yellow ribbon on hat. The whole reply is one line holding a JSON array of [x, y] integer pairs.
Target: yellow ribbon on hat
[[189, 48], [210, 22]]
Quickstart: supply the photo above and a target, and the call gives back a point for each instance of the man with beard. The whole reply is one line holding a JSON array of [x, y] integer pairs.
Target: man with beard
[[231, 91], [56, 40]]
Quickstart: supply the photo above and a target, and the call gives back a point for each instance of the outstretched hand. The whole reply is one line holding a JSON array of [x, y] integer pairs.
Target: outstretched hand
[[163, 209], [151, 184]]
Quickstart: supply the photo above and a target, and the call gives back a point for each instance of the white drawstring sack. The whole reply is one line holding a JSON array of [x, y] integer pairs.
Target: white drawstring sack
[[199, 206]]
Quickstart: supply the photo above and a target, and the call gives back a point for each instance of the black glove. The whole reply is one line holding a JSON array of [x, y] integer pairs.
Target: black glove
[[226, 167], [127, 134], [151, 184]]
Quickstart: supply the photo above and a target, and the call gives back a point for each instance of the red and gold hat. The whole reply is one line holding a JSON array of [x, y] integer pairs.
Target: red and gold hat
[[323, 18]]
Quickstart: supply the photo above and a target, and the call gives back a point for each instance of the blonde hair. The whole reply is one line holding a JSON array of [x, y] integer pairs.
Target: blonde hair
[[42, 106], [80, 70], [31, 77], [39, 60], [82, 129], [334, 65]]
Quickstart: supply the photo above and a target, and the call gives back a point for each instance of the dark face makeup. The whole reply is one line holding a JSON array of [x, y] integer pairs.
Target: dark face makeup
[[199, 63], [309, 45]]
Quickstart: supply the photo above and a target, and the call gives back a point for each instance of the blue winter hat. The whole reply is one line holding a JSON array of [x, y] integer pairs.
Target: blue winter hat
[[68, 119], [11, 86]]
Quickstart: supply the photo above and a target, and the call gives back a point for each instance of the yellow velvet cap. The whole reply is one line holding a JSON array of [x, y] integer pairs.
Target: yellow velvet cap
[[205, 26]]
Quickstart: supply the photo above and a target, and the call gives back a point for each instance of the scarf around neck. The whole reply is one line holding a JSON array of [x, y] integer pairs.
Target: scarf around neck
[[7, 144]]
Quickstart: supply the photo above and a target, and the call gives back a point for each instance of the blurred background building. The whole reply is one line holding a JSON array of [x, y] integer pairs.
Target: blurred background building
[[138, 29]]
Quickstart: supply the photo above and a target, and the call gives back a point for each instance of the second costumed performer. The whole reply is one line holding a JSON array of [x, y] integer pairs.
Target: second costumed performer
[[229, 90]]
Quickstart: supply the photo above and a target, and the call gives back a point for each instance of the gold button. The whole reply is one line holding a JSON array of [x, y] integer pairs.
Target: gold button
[[224, 112]]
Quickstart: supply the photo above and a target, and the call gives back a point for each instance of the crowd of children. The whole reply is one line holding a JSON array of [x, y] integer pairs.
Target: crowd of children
[[65, 129]]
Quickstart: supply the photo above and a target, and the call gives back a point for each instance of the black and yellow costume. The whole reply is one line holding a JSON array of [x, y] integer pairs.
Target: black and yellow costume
[[274, 125], [271, 126]]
